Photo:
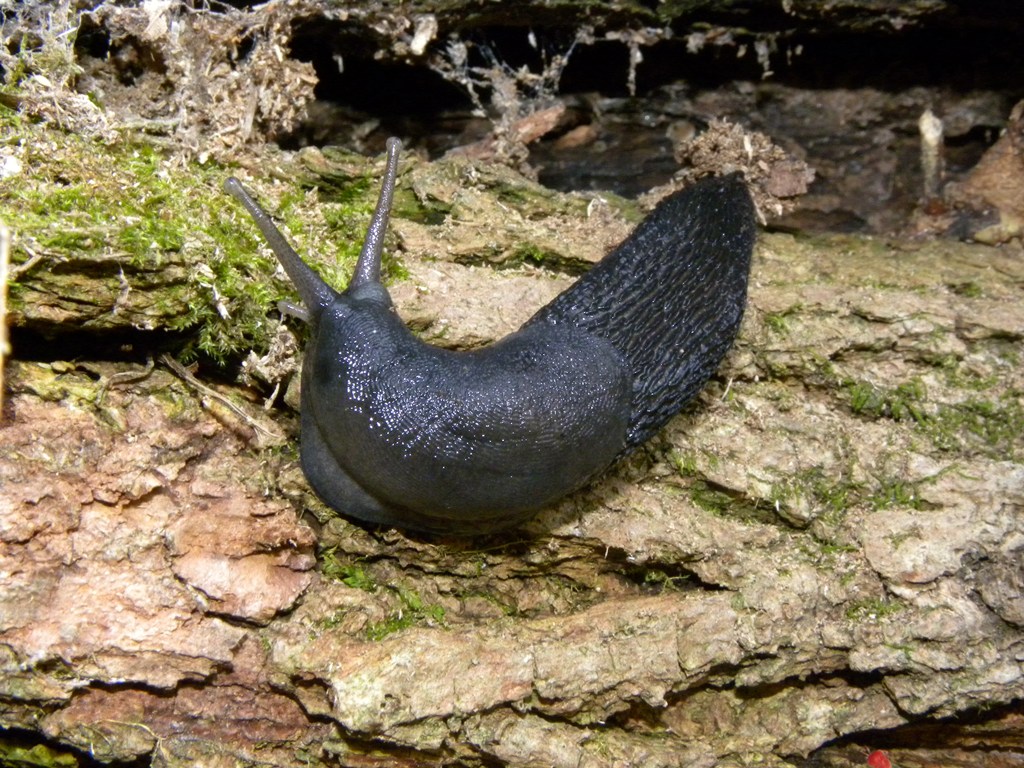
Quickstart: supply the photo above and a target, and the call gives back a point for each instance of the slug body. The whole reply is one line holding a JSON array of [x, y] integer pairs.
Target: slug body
[[398, 432]]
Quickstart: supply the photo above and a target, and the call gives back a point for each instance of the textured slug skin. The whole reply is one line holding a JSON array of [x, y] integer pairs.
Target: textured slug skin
[[397, 432], [670, 298]]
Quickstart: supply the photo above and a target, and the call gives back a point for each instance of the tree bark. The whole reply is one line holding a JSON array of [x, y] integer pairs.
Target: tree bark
[[824, 549], [827, 543]]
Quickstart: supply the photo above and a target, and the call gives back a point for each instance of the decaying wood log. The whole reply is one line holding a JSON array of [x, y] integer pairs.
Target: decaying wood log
[[827, 543], [827, 547]]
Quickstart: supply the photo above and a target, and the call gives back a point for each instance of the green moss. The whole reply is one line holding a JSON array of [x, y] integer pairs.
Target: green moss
[[432, 212], [710, 499], [894, 492], [657, 578], [826, 498], [992, 428], [354, 576], [898, 539], [834, 549], [14, 755], [128, 216], [690, 463], [686, 464], [355, 192], [899, 404], [347, 209], [778, 322], [722, 503], [523, 196], [120, 209], [350, 574], [872, 609], [412, 611], [826, 495], [969, 290], [987, 426], [530, 253]]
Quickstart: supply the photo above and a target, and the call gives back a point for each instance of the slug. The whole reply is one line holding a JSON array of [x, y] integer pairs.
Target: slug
[[397, 432]]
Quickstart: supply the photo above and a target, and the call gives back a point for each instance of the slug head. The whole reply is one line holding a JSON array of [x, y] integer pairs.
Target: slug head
[[316, 295]]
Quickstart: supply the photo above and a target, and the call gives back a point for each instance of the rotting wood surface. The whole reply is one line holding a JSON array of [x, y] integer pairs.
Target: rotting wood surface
[[828, 542]]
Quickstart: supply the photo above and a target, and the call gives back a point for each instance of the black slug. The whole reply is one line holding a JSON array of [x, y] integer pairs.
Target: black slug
[[401, 433]]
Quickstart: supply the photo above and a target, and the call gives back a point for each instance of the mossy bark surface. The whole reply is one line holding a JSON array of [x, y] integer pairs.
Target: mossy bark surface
[[827, 542], [822, 554]]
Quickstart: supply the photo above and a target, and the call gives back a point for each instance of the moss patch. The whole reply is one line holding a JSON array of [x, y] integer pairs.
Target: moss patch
[[408, 607], [121, 235]]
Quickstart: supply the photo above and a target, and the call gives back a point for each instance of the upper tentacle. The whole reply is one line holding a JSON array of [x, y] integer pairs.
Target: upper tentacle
[[314, 292], [367, 270]]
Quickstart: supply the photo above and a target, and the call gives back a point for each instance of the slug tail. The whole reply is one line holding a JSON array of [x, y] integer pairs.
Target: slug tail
[[367, 272], [314, 292], [670, 298]]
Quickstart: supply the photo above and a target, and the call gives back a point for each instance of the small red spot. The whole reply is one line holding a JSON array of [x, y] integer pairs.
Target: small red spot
[[878, 759]]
